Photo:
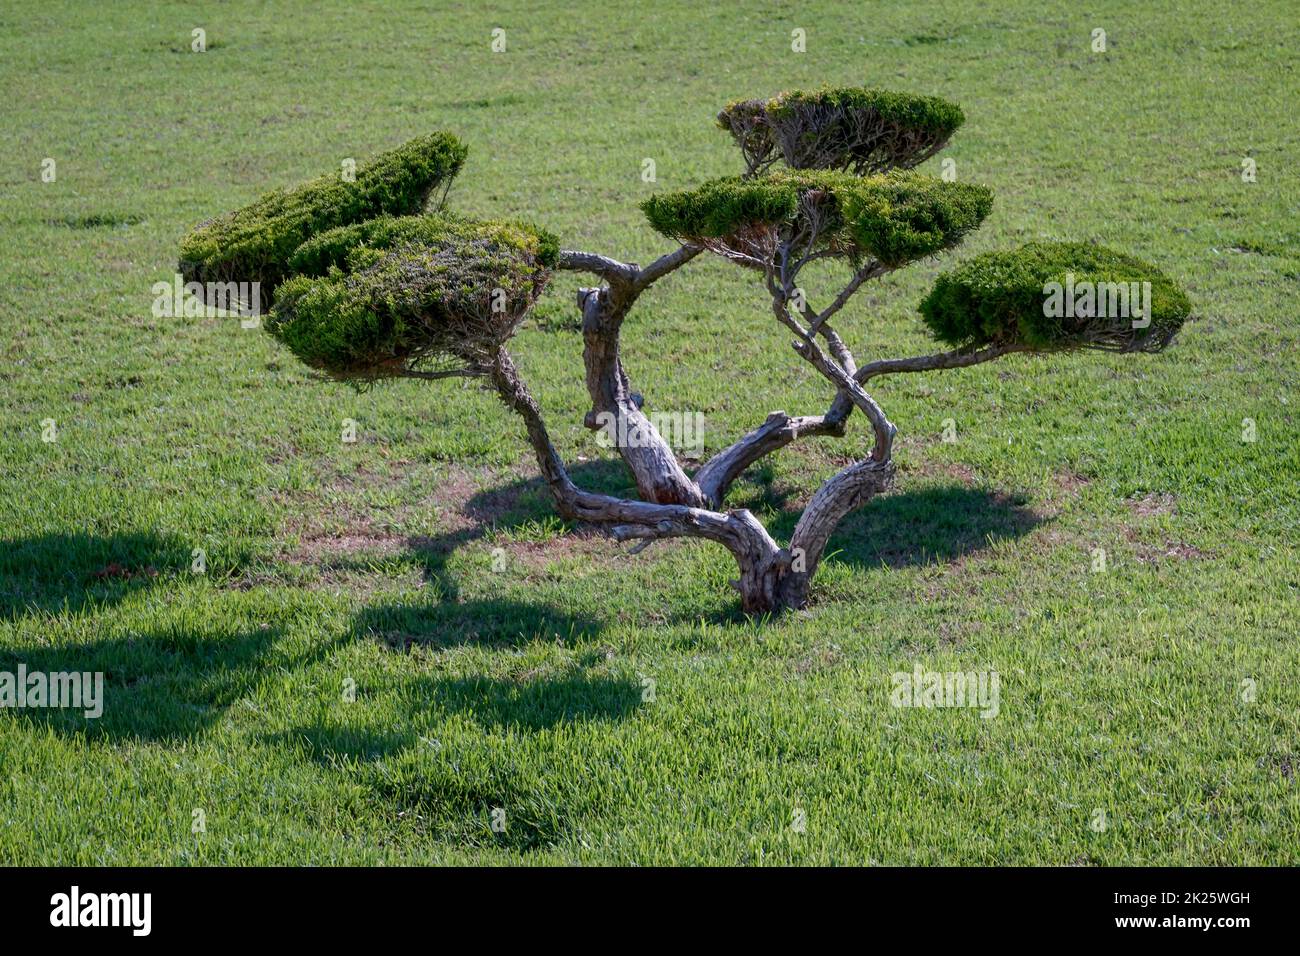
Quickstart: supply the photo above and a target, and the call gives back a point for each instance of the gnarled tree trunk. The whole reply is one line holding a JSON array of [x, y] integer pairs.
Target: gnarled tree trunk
[[771, 578]]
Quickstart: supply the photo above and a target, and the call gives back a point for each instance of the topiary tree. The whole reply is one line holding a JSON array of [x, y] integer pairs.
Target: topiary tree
[[368, 286]]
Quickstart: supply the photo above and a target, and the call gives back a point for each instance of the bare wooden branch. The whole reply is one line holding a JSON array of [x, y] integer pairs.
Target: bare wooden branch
[[659, 478], [611, 270], [756, 554], [666, 264], [717, 474], [958, 358], [850, 488], [615, 406], [627, 274], [806, 346]]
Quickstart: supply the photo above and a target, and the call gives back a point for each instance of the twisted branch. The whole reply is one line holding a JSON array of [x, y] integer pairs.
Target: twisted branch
[[738, 531], [659, 478]]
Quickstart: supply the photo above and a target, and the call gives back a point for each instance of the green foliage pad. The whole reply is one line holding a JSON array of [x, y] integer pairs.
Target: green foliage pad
[[445, 303], [847, 128], [357, 245], [999, 298], [253, 244], [896, 217]]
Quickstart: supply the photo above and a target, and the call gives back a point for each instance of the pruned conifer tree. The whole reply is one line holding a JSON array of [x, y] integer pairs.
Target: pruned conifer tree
[[374, 278]]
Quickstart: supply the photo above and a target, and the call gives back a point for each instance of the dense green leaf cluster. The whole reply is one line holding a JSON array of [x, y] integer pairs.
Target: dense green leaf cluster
[[932, 114], [361, 289], [896, 218], [449, 303], [1050, 295], [848, 128], [355, 246], [254, 243], [723, 207]]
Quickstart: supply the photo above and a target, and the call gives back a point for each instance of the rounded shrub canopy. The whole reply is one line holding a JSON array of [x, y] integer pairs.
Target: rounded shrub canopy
[[895, 218], [253, 244], [425, 304], [1054, 295], [355, 246], [849, 128]]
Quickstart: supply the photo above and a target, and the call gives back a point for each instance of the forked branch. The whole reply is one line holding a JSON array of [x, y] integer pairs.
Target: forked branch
[[659, 477], [739, 531]]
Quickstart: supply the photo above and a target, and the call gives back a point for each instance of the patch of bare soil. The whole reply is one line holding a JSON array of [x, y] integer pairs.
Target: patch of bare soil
[[956, 470], [1071, 482], [540, 554], [321, 548], [1149, 553], [1153, 504], [469, 503]]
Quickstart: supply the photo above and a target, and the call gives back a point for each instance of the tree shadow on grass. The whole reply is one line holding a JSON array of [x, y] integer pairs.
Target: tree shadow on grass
[[53, 573], [759, 490], [524, 505], [539, 704], [488, 621], [519, 502], [410, 776], [493, 622], [529, 703], [414, 774], [162, 687], [909, 528], [933, 525]]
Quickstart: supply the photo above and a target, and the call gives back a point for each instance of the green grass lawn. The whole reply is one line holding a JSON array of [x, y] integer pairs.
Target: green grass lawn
[[620, 709]]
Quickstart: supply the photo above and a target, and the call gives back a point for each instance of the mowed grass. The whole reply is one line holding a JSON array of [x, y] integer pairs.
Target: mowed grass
[[619, 709]]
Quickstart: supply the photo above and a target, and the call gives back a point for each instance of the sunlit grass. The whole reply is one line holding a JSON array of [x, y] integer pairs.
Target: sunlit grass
[[395, 637]]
